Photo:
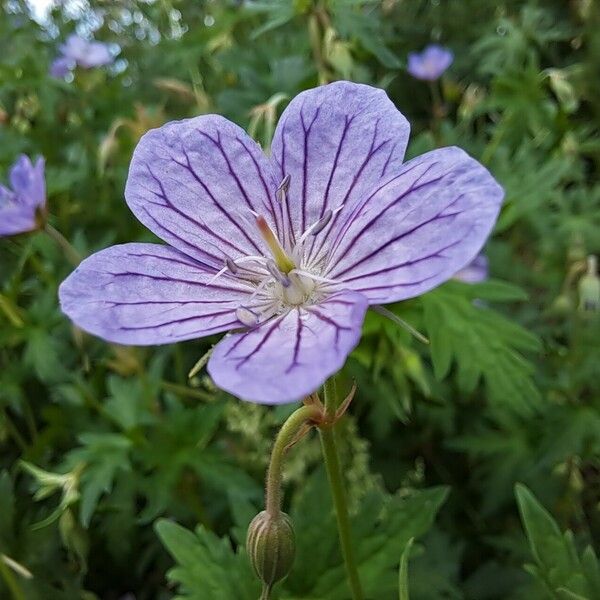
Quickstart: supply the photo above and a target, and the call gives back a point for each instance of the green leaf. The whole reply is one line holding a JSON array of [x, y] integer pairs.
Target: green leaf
[[558, 567], [207, 565], [403, 572], [484, 345]]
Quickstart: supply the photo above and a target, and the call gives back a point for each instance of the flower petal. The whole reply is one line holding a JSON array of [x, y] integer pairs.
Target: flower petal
[[337, 142], [419, 229], [195, 183], [27, 181], [143, 294], [96, 54], [475, 272], [290, 356], [16, 218]]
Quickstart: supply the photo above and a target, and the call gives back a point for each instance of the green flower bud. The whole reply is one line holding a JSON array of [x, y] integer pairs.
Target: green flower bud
[[561, 306], [589, 288], [271, 546]]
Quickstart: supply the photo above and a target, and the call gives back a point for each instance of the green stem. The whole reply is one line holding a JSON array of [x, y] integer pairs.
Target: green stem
[[336, 484], [266, 592], [437, 109], [11, 582], [70, 253], [286, 434]]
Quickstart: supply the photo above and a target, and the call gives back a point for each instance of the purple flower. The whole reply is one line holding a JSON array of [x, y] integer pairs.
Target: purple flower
[[77, 51], [287, 251], [23, 206], [61, 67], [431, 63], [475, 272]]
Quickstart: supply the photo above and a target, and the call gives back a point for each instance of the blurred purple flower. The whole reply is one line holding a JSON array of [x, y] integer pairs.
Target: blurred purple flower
[[22, 208], [290, 250], [431, 63], [475, 272], [61, 67], [77, 51]]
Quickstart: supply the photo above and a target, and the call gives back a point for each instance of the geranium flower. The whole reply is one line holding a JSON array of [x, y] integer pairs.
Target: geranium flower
[[475, 272], [287, 251], [77, 51], [431, 63], [23, 207]]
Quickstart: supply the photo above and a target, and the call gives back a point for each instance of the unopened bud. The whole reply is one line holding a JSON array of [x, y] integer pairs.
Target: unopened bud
[[271, 546], [589, 288], [561, 306]]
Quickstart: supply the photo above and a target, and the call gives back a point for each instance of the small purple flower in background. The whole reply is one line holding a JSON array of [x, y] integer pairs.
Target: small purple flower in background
[[23, 207], [431, 63], [475, 272], [61, 67], [77, 51], [289, 250]]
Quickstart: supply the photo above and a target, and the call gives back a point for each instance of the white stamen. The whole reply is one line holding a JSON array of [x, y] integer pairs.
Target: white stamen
[[246, 316], [314, 277], [217, 275], [317, 227], [231, 266], [322, 223], [283, 188], [280, 277]]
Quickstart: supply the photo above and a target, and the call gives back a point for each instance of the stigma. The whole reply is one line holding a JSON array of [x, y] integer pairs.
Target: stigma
[[284, 263]]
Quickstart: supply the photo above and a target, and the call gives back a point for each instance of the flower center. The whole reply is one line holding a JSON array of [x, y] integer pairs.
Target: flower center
[[290, 277]]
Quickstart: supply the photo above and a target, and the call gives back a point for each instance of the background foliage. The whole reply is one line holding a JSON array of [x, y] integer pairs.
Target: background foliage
[[104, 447]]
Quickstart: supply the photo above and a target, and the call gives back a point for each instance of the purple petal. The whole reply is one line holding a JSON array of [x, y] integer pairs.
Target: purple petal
[[61, 67], [144, 294], [290, 356], [96, 54], [419, 229], [195, 183], [27, 181], [84, 53], [430, 64], [16, 218], [337, 142], [475, 272], [74, 48]]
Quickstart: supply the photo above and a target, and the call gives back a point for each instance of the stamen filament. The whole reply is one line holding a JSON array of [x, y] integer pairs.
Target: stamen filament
[[282, 278], [310, 275]]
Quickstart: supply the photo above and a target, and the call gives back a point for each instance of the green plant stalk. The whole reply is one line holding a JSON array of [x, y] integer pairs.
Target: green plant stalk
[[275, 472], [11, 582], [69, 251], [336, 485]]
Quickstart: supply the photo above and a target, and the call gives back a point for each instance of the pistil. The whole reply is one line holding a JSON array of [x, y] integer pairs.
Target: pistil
[[282, 260]]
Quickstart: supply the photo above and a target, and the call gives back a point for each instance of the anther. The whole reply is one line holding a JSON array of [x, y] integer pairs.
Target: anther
[[231, 266], [283, 188], [282, 278], [322, 222], [246, 316]]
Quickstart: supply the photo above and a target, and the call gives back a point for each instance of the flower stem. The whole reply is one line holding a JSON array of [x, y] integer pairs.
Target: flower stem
[[70, 253], [10, 581], [266, 592], [285, 436], [336, 484]]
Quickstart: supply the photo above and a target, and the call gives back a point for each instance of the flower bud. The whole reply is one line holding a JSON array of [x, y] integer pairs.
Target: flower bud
[[271, 545], [561, 306]]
